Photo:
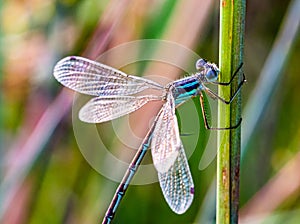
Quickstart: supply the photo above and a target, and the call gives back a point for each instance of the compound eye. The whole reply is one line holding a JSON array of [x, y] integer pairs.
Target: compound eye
[[212, 75], [200, 64]]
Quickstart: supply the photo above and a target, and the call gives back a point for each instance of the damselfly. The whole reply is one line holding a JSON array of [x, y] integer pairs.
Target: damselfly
[[115, 96]]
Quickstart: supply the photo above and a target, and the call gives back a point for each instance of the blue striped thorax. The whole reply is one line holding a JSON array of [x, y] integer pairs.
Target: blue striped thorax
[[188, 87]]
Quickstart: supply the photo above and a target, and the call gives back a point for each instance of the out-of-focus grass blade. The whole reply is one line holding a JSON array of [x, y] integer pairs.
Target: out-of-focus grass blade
[[271, 73]]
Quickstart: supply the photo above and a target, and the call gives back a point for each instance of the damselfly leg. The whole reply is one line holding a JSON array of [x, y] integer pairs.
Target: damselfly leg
[[232, 78], [216, 96]]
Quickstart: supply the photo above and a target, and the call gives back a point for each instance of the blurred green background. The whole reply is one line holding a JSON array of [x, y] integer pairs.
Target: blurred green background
[[44, 177]]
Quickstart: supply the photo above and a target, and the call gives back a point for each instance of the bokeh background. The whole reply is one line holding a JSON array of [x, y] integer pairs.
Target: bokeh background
[[44, 177]]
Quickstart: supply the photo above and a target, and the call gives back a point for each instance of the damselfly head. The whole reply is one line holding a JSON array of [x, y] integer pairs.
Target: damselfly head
[[200, 64], [212, 74], [209, 70]]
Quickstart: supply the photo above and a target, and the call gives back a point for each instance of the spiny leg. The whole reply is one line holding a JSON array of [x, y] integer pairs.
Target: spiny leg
[[233, 76], [216, 96], [207, 126]]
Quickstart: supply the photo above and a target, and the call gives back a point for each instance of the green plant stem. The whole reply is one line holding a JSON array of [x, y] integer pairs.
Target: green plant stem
[[232, 15]]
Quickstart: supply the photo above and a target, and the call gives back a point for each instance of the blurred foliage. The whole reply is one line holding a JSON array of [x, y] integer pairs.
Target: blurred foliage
[[57, 185]]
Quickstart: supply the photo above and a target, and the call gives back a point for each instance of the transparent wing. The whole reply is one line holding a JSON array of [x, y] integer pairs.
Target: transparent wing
[[106, 108], [166, 139], [177, 184], [93, 78]]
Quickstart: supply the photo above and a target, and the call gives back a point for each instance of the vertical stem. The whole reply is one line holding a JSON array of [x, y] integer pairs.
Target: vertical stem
[[232, 16]]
